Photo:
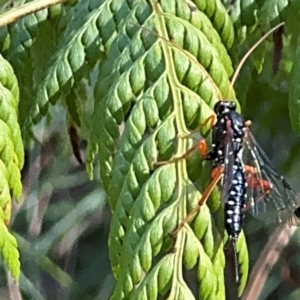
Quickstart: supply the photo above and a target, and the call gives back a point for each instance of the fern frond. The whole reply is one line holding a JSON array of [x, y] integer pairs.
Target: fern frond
[[27, 50], [4, 40], [294, 92], [162, 66], [11, 160], [161, 80], [8, 248], [271, 11], [243, 261], [221, 21], [87, 35], [244, 17]]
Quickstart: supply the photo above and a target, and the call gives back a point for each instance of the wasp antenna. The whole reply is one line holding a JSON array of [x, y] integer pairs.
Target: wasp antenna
[[240, 65], [236, 260]]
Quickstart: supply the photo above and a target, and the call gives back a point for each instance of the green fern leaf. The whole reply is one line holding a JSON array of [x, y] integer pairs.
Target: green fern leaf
[[8, 248], [200, 21], [78, 51], [9, 81], [159, 91], [76, 103], [22, 38], [243, 261], [271, 12], [216, 11], [11, 141], [294, 92], [4, 39], [11, 161], [242, 13], [5, 197]]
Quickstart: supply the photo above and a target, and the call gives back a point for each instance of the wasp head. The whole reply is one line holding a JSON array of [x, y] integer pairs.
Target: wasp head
[[222, 107]]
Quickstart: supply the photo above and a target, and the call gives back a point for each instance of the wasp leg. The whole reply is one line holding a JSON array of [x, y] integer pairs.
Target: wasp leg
[[202, 145], [255, 182], [261, 183], [217, 174], [250, 169], [211, 120], [176, 159], [203, 148]]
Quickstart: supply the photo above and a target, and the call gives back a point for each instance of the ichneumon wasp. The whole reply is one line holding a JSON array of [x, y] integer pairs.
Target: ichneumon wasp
[[248, 180]]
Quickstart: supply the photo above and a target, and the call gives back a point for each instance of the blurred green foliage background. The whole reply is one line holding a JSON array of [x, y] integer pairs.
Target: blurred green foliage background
[[63, 224]]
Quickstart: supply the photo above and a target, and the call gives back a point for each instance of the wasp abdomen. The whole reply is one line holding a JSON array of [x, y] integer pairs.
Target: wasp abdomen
[[236, 203]]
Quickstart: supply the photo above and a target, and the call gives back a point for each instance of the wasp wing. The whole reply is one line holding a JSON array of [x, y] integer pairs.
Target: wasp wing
[[269, 194]]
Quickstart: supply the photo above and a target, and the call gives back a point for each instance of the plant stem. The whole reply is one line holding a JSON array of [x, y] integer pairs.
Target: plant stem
[[23, 10]]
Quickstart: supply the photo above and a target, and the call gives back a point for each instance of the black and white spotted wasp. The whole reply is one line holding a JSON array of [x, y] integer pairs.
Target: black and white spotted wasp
[[249, 182]]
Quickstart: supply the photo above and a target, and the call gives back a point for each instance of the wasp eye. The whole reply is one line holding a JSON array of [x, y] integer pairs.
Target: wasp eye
[[232, 105], [219, 107]]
